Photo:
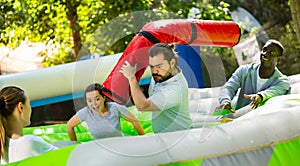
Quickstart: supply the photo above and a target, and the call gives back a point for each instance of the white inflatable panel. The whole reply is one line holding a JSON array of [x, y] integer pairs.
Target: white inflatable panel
[[195, 93], [261, 128], [63, 79]]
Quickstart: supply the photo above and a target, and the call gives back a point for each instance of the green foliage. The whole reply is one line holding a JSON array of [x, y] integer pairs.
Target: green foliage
[[291, 56], [218, 11], [107, 27], [114, 36], [36, 21], [275, 16], [67, 24], [11, 23]]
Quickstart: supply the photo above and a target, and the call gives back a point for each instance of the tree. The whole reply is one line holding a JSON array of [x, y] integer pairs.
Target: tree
[[278, 23], [295, 11], [11, 17], [65, 24], [68, 24], [72, 15]]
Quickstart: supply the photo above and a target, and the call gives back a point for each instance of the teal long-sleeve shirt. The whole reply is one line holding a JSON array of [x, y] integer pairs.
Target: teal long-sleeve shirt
[[245, 78]]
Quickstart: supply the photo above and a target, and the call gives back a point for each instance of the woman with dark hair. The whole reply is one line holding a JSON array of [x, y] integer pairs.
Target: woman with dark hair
[[101, 115], [15, 112]]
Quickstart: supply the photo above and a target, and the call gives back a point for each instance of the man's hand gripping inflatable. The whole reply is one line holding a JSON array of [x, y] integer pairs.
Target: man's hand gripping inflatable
[[256, 99]]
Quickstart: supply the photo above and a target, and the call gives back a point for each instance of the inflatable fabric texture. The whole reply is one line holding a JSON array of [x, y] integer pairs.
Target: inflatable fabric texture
[[58, 132], [178, 31], [283, 154], [228, 144]]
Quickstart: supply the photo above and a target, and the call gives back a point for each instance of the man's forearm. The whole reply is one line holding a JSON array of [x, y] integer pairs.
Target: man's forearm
[[137, 94]]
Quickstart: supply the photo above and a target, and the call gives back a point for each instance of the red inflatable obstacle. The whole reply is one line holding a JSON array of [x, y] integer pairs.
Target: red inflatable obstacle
[[179, 31]]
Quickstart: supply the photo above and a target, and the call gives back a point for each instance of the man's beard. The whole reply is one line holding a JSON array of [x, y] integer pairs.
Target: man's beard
[[163, 78]]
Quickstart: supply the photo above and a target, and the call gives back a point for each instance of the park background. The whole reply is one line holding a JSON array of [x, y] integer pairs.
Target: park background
[[63, 31]]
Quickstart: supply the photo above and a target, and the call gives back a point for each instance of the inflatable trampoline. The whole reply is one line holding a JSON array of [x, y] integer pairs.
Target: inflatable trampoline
[[269, 135]]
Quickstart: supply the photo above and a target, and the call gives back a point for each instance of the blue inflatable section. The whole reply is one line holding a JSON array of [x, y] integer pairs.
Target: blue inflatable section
[[57, 99], [191, 64]]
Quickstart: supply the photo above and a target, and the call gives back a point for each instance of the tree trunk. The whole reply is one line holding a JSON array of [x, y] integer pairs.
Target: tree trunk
[[295, 10], [73, 18]]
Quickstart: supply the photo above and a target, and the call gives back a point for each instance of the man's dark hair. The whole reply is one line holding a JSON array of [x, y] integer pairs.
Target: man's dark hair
[[166, 49]]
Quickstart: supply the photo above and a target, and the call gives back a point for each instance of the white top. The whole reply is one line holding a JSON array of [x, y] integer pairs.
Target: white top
[[25, 147], [171, 97]]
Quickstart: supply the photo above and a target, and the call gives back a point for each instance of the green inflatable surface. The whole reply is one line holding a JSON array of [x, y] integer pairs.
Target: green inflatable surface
[[58, 133]]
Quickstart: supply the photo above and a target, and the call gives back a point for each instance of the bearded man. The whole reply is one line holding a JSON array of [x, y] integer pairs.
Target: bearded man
[[168, 91]]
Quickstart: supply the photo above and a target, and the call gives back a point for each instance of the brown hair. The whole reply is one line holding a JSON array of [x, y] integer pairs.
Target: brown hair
[[10, 96], [95, 87], [166, 49]]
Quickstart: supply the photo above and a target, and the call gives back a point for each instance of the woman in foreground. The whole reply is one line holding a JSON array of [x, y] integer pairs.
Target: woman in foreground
[[15, 112]]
